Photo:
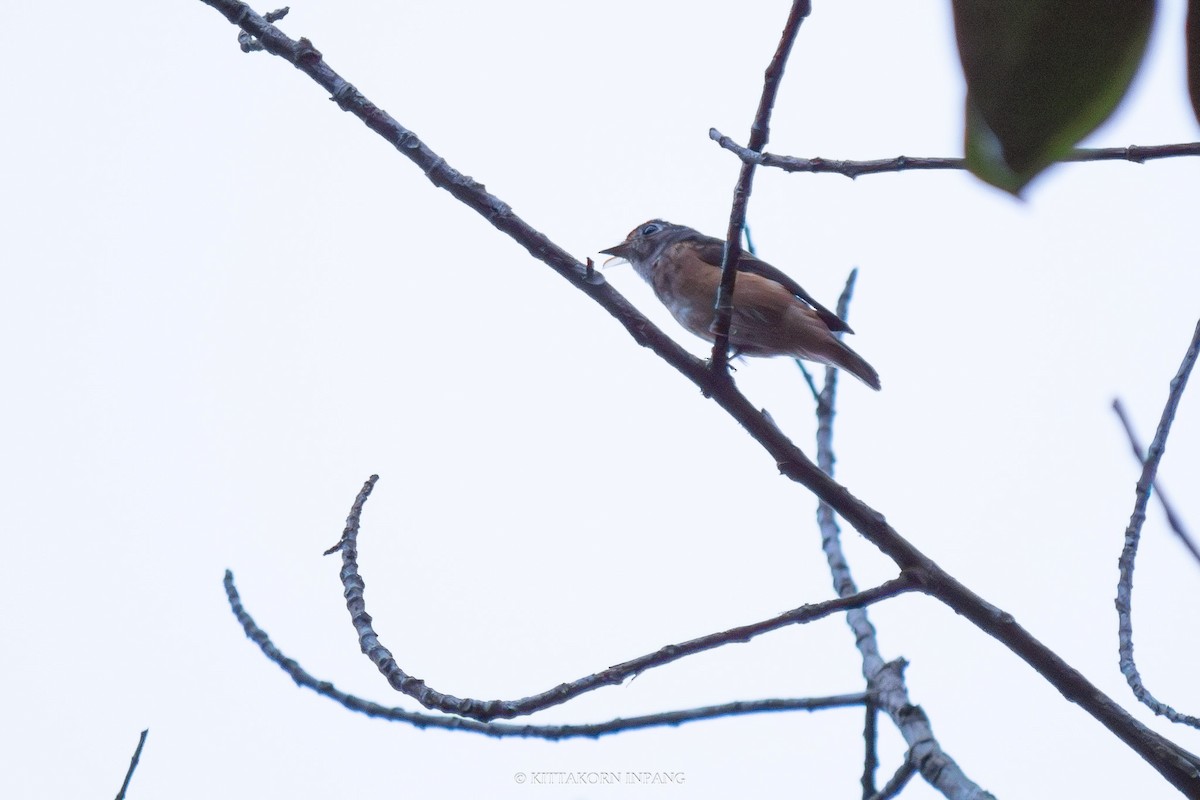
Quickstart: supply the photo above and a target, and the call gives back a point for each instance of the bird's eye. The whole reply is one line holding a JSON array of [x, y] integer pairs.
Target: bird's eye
[[650, 229]]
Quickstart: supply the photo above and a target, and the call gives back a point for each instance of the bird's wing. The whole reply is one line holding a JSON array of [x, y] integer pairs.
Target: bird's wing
[[760, 321], [712, 251]]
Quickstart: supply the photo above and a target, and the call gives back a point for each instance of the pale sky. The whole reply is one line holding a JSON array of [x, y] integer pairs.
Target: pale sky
[[227, 303]]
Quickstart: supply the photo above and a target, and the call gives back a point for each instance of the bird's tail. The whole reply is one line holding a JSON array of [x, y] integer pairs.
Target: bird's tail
[[845, 358]]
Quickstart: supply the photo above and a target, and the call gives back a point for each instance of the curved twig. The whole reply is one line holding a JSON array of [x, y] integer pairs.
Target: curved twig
[[488, 710], [1133, 534], [509, 730]]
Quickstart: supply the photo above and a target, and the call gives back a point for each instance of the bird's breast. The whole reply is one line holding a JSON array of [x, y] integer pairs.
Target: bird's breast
[[688, 290]]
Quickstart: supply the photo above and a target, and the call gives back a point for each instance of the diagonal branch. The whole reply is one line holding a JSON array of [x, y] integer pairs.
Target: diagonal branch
[[488, 710], [1176, 765], [133, 763], [1173, 519], [884, 680], [1133, 535], [1139, 154], [760, 131]]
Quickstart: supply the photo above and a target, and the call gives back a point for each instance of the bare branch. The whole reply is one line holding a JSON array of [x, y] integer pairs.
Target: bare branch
[[509, 730], [1173, 519], [853, 169], [760, 131], [488, 710], [884, 680], [251, 45], [1133, 534], [1175, 764], [133, 762], [302, 55]]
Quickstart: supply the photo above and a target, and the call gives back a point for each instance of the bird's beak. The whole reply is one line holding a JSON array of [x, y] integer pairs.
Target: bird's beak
[[619, 253]]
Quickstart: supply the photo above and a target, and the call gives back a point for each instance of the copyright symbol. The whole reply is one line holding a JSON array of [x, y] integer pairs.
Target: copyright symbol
[[519, 777]]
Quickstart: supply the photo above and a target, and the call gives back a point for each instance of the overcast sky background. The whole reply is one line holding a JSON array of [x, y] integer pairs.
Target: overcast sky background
[[226, 303]]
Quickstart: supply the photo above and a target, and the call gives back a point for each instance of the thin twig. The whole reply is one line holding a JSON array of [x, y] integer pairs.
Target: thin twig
[[1173, 519], [897, 782], [488, 710], [852, 169], [1133, 534], [760, 131], [749, 241], [504, 729], [884, 680], [870, 749], [1175, 764], [133, 762], [354, 519], [808, 379]]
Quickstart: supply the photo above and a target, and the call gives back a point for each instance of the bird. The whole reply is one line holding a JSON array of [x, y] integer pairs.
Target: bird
[[772, 314]]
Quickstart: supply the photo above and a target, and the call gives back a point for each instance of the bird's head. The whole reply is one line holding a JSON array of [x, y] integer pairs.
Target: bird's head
[[646, 242]]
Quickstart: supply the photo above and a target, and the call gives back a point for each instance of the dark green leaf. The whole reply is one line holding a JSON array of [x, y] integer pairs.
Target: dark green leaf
[[1041, 75]]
